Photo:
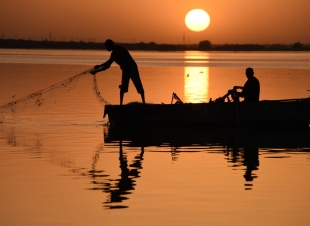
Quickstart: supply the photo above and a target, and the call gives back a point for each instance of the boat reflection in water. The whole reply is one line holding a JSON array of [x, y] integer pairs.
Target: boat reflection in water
[[241, 148]]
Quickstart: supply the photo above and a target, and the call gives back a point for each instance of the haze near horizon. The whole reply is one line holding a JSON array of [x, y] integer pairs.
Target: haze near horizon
[[161, 21]]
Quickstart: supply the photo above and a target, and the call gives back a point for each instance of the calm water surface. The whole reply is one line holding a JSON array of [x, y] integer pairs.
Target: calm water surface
[[61, 165]]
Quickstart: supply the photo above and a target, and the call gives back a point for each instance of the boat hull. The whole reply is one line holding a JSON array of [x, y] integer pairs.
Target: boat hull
[[285, 113]]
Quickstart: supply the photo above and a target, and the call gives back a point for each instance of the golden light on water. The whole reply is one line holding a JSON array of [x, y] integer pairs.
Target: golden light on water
[[196, 78], [196, 84]]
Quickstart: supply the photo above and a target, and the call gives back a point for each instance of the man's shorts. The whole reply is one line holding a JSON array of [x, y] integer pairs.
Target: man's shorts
[[135, 77]]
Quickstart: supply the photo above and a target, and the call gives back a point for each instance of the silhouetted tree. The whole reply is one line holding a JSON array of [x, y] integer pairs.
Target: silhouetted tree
[[204, 45], [297, 45]]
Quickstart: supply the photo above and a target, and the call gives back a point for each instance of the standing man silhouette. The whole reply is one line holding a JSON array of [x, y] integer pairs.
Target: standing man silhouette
[[129, 68]]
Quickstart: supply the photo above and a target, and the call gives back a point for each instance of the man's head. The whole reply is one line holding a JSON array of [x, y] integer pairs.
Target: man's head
[[249, 72], [109, 44]]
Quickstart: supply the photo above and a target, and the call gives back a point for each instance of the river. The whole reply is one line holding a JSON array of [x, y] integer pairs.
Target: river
[[60, 164]]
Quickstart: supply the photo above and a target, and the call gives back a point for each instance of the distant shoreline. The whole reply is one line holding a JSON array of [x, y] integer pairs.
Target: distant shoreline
[[152, 46]]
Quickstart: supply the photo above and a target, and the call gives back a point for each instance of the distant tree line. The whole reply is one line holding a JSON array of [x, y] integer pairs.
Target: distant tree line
[[204, 45]]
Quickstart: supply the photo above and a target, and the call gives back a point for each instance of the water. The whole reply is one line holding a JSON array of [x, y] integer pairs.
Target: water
[[60, 164]]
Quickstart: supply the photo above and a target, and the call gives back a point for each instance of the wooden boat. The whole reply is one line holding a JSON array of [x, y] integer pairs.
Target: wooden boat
[[270, 113]]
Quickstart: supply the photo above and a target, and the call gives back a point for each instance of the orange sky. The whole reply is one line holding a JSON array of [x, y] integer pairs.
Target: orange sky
[[160, 21]]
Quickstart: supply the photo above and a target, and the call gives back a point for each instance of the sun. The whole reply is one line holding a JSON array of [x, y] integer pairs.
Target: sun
[[197, 20]]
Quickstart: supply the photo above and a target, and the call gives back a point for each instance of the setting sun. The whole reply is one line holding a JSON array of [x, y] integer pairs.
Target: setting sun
[[197, 20]]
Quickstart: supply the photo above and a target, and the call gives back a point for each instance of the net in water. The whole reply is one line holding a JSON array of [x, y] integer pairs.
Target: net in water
[[38, 98]]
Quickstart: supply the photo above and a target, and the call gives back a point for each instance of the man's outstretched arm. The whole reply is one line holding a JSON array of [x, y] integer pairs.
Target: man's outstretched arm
[[102, 67]]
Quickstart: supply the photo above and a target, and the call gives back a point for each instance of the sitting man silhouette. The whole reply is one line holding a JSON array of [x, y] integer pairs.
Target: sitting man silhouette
[[251, 89], [122, 57]]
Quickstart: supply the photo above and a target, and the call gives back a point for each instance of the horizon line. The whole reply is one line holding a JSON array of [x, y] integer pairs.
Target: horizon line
[[152, 42]]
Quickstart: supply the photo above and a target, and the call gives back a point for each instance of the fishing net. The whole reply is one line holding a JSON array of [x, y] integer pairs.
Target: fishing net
[[37, 99], [98, 95]]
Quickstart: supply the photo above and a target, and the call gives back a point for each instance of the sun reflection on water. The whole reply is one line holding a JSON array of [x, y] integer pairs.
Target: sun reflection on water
[[196, 79], [196, 84]]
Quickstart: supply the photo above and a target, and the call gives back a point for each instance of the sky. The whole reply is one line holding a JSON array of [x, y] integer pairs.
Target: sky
[[159, 21]]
